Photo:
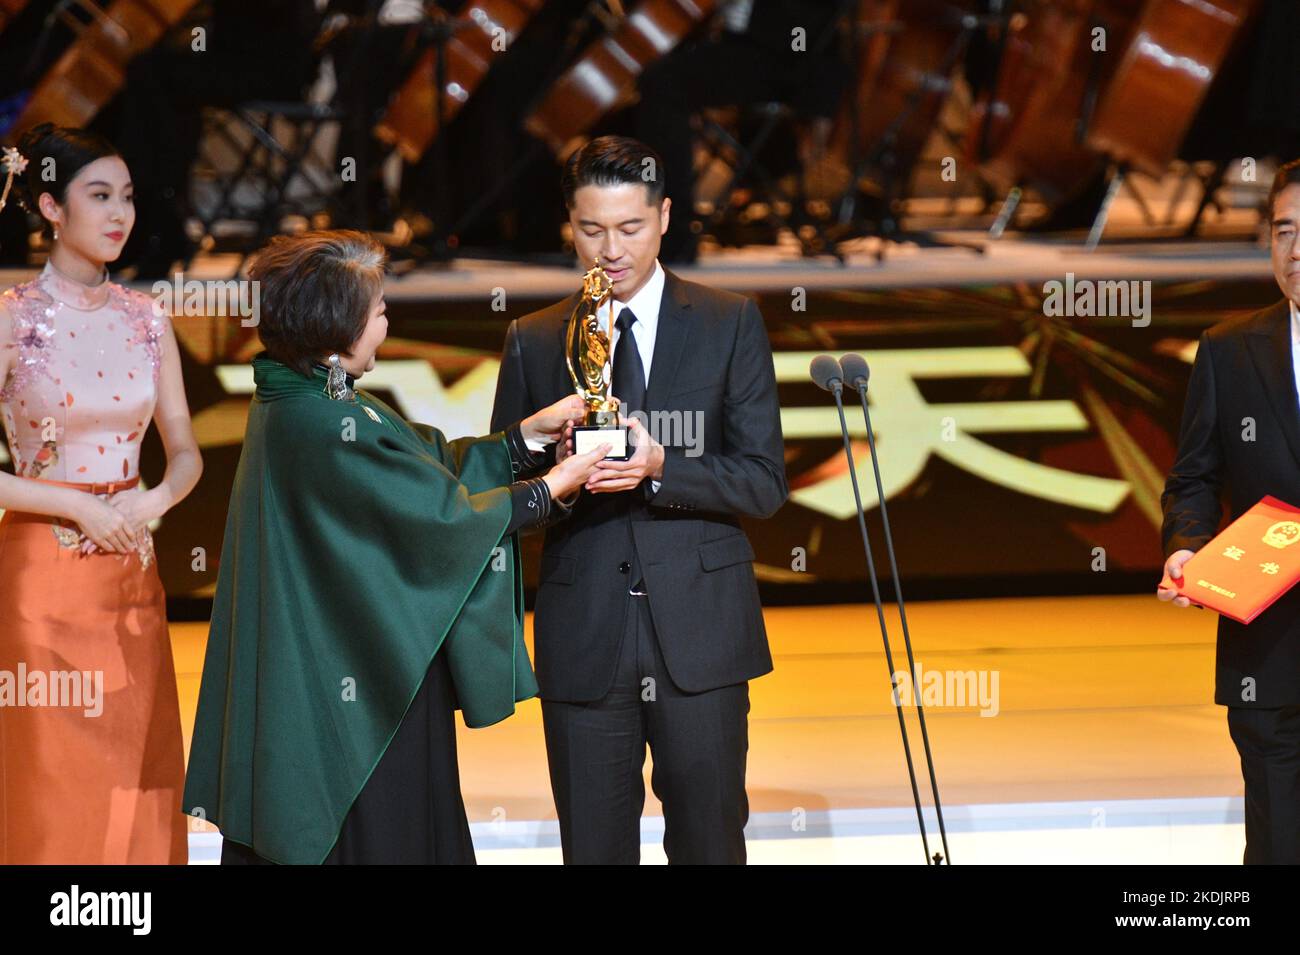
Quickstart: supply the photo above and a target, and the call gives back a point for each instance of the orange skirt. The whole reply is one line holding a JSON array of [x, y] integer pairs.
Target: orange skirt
[[91, 760]]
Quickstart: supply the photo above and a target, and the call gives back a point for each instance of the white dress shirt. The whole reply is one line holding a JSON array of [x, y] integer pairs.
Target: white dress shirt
[[645, 306], [1295, 344]]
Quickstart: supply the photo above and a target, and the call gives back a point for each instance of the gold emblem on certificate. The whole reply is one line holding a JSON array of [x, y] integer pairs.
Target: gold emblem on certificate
[[1282, 534]]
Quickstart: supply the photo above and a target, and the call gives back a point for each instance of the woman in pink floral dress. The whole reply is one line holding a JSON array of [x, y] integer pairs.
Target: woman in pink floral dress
[[91, 763]]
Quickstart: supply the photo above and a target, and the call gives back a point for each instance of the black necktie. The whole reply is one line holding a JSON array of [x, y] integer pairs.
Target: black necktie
[[629, 374], [629, 388]]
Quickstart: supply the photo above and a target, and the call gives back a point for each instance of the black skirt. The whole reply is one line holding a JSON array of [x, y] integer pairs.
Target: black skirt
[[410, 811]]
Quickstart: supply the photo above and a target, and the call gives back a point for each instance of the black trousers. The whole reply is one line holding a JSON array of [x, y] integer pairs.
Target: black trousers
[[410, 811], [1268, 741], [698, 741]]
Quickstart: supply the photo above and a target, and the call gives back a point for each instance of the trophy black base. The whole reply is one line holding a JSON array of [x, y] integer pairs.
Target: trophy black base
[[588, 437]]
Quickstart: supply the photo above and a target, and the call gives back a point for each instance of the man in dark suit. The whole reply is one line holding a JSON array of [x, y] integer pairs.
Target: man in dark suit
[[1241, 431], [647, 622]]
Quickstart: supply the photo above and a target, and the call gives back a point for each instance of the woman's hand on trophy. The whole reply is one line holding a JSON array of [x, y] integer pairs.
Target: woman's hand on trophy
[[571, 474], [548, 425], [564, 447]]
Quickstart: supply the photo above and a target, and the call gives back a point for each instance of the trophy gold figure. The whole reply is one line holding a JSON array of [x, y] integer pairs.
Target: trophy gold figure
[[589, 355]]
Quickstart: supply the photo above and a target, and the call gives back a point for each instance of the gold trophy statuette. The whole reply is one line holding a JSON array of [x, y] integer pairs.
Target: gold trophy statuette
[[590, 359]]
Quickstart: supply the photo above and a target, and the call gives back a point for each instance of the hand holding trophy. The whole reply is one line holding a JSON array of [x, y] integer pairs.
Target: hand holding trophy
[[589, 356]]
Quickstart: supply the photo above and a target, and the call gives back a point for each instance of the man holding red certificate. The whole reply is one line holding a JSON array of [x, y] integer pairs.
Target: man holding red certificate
[[1241, 433]]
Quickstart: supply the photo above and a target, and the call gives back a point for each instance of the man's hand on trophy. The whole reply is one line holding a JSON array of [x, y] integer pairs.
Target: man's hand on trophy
[[547, 425], [647, 461]]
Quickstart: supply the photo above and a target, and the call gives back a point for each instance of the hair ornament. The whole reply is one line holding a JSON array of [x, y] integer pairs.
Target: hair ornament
[[14, 164]]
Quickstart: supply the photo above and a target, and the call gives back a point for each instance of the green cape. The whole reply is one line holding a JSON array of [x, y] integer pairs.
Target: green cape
[[346, 565]]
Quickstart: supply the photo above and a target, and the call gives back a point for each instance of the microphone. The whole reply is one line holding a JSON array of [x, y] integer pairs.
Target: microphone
[[826, 372], [858, 373], [829, 375]]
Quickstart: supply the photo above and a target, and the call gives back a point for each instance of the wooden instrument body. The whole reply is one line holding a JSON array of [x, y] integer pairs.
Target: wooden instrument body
[[904, 77], [1029, 132], [1038, 129], [93, 68], [607, 71], [10, 9], [488, 28], [1177, 48]]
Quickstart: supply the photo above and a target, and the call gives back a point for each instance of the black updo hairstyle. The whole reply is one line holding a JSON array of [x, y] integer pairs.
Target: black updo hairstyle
[[71, 150]]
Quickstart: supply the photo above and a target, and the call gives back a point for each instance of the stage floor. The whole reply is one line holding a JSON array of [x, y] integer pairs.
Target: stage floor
[[1101, 742]]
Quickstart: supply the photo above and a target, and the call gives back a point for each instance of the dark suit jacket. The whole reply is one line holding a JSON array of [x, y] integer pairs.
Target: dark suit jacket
[[1243, 374], [711, 356]]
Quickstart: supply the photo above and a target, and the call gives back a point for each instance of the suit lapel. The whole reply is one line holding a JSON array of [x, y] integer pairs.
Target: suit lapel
[[1270, 349], [564, 382], [670, 340]]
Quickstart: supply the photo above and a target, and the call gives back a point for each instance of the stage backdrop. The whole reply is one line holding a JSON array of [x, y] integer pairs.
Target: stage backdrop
[[1023, 444]]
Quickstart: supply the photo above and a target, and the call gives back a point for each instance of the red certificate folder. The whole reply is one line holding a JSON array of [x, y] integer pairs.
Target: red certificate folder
[[1253, 562]]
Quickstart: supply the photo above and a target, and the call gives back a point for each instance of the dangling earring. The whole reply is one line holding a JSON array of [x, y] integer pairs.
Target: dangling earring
[[336, 385], [56, 233]]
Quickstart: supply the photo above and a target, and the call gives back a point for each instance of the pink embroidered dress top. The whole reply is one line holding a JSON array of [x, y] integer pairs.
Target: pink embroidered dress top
[[84, 380]]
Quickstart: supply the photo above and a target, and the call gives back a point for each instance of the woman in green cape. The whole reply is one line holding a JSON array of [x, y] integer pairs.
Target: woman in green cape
[[369, 586]]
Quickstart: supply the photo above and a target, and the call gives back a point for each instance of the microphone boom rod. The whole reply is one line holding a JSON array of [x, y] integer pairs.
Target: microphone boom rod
[[860, 382], [835, 385]]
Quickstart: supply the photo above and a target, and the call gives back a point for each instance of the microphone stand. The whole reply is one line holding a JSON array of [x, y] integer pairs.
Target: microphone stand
[[835, 384], [860, 382]]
